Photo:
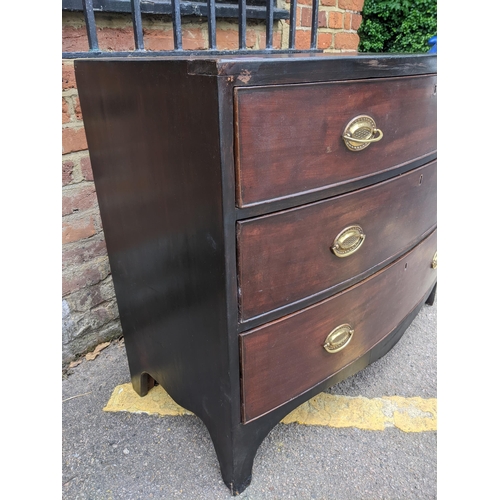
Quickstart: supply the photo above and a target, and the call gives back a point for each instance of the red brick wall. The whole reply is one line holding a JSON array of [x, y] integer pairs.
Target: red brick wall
[[90, 314], [338, 21]]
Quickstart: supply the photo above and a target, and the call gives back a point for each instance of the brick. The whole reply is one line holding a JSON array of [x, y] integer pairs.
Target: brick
[[73, 139], [90, 296], [84, 251], [86, 298], [356, 5], [83, 276], [322, 19], [78, 199], [116, 39], [229, 39], [347, 20], [346, 41], [324, 40], [74, 39], [86, 168], [104, 313], [66, 118], [303, 39], [68, 76], [336, 20], [67, 172], [157, 39], [97, 221], [78, 109], [305, 17], [356, 21], [77, 228], [252, 37], [276, 39], [193, 39], [304, 2], [329, 3]]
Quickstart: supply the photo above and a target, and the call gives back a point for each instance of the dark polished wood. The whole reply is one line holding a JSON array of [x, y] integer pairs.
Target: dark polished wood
[[289, 140], [432, 296], [160, 200], [274, 69], [286, 357], [285, 257], [161, 135]]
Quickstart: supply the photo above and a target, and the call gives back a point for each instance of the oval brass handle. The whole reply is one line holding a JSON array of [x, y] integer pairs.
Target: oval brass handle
[[348, 241], [338, 338], [372, 139], [434, 263], [360, 132]]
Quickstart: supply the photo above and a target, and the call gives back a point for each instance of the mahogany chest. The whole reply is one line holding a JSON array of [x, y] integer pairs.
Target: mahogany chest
[[270, 223]]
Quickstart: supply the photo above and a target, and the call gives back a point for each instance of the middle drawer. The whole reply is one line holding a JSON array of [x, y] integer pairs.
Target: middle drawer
[[290, 255]]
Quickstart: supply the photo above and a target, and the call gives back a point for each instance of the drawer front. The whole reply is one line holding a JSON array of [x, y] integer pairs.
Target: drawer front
[[288, 138], [287, 256], [283, 359]]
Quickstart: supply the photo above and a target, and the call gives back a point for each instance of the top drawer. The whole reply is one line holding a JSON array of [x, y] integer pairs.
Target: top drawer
[[289, 137]]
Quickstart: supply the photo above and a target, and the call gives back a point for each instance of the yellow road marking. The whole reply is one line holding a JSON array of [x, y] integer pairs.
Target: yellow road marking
[[407, 414], [156, 402]]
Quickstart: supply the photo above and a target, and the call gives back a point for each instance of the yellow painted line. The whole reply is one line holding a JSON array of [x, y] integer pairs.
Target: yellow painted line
[[156, 402], [377, 414]]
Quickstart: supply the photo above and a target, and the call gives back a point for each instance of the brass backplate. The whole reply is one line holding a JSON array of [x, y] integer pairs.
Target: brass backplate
[[434, 263], [348, 241], [360, 132], [338, 338]]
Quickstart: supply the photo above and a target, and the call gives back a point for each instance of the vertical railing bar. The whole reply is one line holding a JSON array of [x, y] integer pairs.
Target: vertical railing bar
[[242, 20], [293, 24], [135, 7], [314, 27], [176, 20], [269, 23], [88, 12], [211, 24]]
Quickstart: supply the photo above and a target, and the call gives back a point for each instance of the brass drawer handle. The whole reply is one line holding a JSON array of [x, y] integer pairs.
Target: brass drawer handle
[[360, 132], [434, 263], [348, 241], [338, 338]]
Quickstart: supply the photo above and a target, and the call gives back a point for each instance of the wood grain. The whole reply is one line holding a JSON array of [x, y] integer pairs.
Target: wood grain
[[285, 358], [286, 257], [288, 137]]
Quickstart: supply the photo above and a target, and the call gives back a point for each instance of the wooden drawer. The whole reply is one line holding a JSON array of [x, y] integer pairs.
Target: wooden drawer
[[284, 358], [285, 257], [288, 137]]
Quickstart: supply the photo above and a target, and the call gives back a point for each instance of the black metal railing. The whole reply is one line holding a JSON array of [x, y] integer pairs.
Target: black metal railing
[[211, 9]]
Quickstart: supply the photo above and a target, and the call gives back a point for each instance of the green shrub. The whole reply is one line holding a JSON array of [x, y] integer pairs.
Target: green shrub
[[397, 25]]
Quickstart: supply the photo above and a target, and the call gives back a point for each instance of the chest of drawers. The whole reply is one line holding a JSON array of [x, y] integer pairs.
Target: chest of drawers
[[270, 224]]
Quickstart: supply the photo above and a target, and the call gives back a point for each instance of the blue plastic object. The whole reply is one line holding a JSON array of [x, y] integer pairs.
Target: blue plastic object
[[433, 42]]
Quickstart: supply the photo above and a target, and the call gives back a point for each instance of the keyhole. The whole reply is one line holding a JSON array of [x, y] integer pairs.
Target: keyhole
[[420, 180], [406, 266]]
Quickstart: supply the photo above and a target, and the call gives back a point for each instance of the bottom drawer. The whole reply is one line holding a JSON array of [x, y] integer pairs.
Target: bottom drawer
[[284, 358]]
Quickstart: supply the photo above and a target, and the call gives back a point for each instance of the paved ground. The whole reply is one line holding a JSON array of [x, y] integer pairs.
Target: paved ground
[[139, 456]]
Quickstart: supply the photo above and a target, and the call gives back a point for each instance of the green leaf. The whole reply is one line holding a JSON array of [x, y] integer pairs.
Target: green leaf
[[397, 25]]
